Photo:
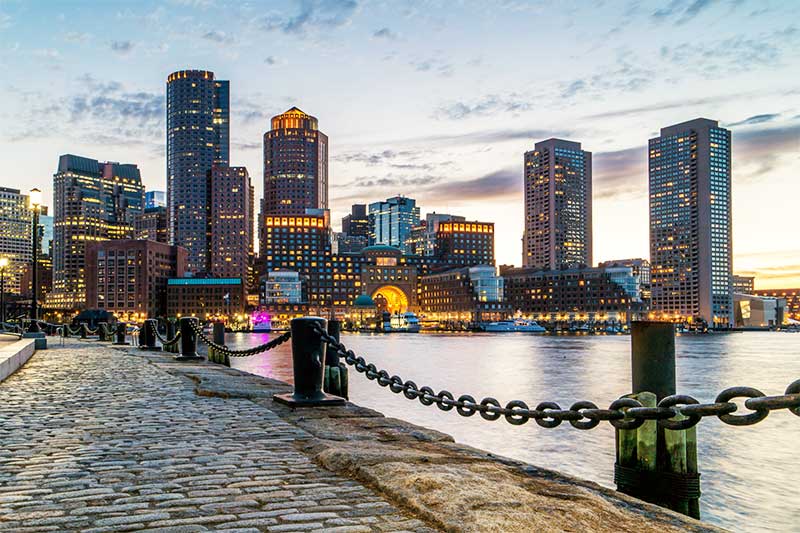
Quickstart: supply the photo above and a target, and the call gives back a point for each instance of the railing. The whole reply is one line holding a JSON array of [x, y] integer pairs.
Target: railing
[[656, 438]]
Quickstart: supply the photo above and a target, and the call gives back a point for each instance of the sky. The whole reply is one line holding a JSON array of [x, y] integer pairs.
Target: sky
[[437, 100]]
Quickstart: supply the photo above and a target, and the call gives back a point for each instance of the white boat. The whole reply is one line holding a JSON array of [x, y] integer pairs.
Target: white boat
[[517, 325], [402, 323], [262, 327]]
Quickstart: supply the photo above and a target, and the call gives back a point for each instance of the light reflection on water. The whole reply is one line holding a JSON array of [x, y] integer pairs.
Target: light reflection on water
[[749, 474]]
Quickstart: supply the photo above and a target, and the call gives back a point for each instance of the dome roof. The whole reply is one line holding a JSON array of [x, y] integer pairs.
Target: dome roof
[[364, 301], [382, 248]]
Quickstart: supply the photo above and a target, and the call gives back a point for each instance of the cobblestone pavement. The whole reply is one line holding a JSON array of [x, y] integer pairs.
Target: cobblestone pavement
[[92, 439]]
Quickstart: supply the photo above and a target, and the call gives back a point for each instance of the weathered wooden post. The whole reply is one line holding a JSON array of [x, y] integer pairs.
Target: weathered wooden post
[[308, 361], [655, 464], [188, 340]]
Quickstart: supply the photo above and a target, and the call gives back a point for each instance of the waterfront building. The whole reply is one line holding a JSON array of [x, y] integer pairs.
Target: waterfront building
[[16, 243], [231, 222], [690, 222], [792, 297], [640, 268], [743, 284], [206, 298], [295, 167], [152, 225], [349, 244], [93, 201], [759, 312], [392, 220], [356, 224], [44, 277], [198, 137], [389, 279], [576, 294], [417, 239], [155, 199], [282, 287], [558, 206], [129, 277], [468, 294], [465, 243]]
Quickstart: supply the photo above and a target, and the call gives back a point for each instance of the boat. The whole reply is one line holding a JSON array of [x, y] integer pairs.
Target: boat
[[516, 325], [262, 323], [401, 323]]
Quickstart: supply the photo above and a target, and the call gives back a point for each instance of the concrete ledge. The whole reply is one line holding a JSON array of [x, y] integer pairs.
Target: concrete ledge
[[14, 355]]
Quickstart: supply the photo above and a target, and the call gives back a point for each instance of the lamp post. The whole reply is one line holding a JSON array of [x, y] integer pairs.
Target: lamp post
[[36, 201], [3, 265]]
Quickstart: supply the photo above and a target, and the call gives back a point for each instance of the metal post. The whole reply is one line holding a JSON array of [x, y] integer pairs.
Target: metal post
[[188, 340], [219, 333], [308, 361], [334, 330], [653, 358], [2, 294], [34, 327], [84, 330], [122, 329], [147, 336], [101, 330]]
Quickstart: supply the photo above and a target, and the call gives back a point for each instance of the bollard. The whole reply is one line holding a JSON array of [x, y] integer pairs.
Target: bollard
[[171, 330], [84, 330], [122, 329], [147, 336], [101, 331], [188, 340], [308, 361], [335, 381], [655, 464]]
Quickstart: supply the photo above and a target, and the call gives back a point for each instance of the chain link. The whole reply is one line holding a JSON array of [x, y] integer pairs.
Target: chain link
[[624, 413], [164, 340], [277, 341]]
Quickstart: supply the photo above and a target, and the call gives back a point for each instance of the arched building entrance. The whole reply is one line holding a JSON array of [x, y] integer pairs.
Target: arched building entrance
[[390, 298]]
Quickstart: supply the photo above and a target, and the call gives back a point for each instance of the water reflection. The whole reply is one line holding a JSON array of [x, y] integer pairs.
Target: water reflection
[[748, 473]]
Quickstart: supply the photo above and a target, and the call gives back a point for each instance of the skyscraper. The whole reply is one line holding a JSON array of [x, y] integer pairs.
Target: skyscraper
[[92, 201], [231, 222], [198, 111], [690, 221], [155, 199], [391, 222], [558, 206], [16, 243], [356, 224], [295, 167]]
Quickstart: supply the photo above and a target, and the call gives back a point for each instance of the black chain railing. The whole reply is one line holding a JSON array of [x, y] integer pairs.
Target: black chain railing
[[624, 413], [224, 350], [10, 329], [163, 339]]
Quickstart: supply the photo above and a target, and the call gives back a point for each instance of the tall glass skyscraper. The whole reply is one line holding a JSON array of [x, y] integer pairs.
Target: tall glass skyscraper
[[295, 167], [391, 222], [16, 243], [198, 137], [690, 222], [558, 206]]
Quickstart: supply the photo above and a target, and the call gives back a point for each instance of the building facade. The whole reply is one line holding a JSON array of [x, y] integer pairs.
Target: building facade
[[206, 298], [295, 166], [129, 277], [231, 222], [465, 243], [356, 224], [391, 222], [792, 297], [16, 241], [469, 294], [558, 206], [152, 225], [640, 268], [155, 199], [690, 222], [743, 284], [198, 137], [93, 202]]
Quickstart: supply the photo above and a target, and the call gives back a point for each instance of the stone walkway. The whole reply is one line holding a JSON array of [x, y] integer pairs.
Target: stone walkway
[[92, 439]]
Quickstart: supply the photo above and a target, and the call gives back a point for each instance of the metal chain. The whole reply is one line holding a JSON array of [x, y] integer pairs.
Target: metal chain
[[277, 341], [624, 413], [163, 340]]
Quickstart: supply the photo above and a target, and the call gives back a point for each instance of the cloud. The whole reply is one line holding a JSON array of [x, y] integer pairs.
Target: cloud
[[486, 105], [313, 15], [385, 33], [76, 37], [754, 144], [5, 21], [274, 61], [48, 53], [435, 65], [676, 104], [619, 173], [122, 47], [755, 119], [218, 37], [504, 183], [679, 14]]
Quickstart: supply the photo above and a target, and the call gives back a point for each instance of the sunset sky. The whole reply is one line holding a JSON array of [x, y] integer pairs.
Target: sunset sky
[[437, 100]]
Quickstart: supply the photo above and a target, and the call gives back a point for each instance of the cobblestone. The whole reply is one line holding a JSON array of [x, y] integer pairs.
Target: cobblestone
[[95, 439]]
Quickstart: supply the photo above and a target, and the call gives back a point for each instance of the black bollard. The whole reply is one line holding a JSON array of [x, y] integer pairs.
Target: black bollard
[[334, 330], [335, 381], [308, 361], [101, 331], [171, 330], [147, 336], [188, 340], [122, 329], [84, 330]]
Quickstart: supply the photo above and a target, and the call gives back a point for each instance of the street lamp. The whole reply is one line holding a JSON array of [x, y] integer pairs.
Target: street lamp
[[3, 266], [35, 200]]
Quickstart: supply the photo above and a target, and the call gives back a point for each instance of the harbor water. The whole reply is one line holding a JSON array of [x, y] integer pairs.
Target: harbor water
[[749, 473]]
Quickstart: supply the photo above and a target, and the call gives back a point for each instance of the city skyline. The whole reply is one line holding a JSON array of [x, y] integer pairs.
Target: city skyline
[[453, 137]]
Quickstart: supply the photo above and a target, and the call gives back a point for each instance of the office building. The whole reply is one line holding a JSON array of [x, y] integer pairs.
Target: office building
[[356, 224], [93, 202], [391, 222], [640, 268], [155, 199], [16, 243], [468, 294], [690, 223], [465, 243], [44, 278], [152, 225], [198, 113], [231, 222], [129, 277], [743, 284], [206, 298], [758, 312], [349, 244], [792, 297], [295, 166], [282, 287], [46, 231], [558, 206]]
